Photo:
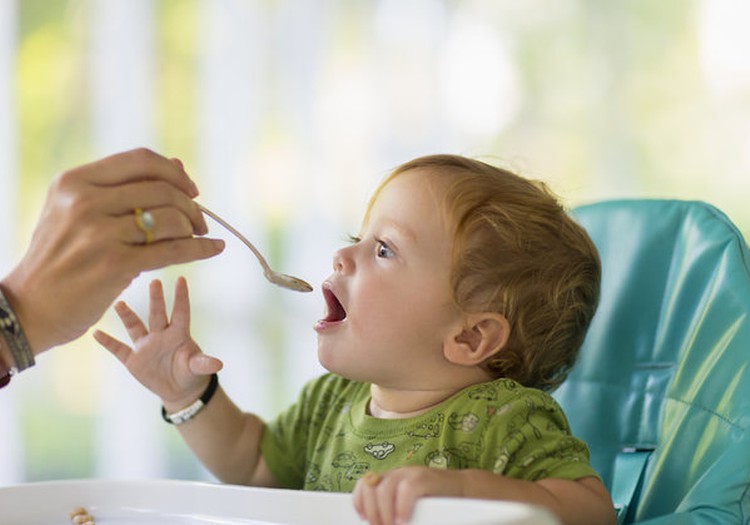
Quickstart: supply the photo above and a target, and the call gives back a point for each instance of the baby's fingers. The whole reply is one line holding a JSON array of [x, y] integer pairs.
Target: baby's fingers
[[369, 506], [385, 494], [157, 310], [181, 307], [406, 499], [133, 324], [366, 498], [119, 349]]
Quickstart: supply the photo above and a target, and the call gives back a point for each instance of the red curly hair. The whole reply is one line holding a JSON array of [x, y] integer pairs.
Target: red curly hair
[[517, 252]]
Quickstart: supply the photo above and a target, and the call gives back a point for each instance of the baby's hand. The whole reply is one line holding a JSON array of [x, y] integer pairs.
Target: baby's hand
[[165, 359], [389, 498]]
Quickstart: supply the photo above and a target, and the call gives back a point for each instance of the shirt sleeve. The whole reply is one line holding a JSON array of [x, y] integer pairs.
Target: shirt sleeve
[[534, 442], [289, 440], [283, 442]]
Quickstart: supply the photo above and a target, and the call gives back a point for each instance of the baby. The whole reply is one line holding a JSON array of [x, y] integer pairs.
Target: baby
[[462, 301]]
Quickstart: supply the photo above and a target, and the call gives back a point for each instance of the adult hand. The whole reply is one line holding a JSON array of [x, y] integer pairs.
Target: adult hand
[[87, 246]]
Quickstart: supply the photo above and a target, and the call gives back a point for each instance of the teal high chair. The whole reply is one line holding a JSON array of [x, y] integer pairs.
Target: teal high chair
[[661, 389]]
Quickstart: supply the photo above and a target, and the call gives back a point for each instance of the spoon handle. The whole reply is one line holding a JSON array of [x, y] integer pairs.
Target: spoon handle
[[261, 259]]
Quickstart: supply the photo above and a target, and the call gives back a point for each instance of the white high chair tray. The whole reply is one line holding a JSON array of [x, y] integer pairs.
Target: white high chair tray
[[172, 502]]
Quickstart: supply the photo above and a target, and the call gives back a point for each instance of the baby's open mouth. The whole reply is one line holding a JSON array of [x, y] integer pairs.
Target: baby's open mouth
[[334, 309]]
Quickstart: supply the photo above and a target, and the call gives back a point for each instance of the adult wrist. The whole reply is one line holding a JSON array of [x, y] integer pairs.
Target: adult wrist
[[5, 371], [14, 338], [37, 329], [192, 410]]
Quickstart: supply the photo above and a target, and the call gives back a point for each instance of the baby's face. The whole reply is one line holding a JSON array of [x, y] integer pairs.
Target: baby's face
[[389, 306]]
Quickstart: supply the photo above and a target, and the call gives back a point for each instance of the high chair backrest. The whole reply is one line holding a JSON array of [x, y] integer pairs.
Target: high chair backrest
[[661, 389]]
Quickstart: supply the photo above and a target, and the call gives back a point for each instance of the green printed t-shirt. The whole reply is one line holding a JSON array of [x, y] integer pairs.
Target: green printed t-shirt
[[326, 441]]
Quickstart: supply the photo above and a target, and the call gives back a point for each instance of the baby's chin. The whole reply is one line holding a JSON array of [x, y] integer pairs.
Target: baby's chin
[[327, 360]]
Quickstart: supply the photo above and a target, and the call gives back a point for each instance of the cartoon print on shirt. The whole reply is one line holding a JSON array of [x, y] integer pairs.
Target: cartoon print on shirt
[[507, 450], [486, 392], [379, 450], [325, 484], [313, 473], [325, 439], [329, 403], [346, 467], [438, 459], [413, 450], [344, 460], [523, 419], [446, 458], [496, 431], [429, 429], [469, 451], [499, 411], [356, 471], [466, 423], [570, 450], [532, 458]]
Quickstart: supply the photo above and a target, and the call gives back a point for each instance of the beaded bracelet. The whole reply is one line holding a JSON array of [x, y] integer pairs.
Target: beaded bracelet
[[12, 331], [14, 336], [4, 372]]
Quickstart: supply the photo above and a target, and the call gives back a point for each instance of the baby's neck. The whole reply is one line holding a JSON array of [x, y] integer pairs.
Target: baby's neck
[[394, 403]]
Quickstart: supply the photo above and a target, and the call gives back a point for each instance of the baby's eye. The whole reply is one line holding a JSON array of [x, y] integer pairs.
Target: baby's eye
[[383, 250], [353, 239]]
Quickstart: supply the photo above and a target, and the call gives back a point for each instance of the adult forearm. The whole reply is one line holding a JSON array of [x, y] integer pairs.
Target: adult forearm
[[225, 439]]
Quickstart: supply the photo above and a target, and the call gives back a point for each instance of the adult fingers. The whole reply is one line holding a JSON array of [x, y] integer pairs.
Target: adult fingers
[[136, 164], [167, 223], [173, 251], [157, 309], [149, 195], [116, 347], [118, 184]]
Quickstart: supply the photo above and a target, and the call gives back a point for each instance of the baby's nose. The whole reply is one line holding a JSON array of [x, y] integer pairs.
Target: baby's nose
[[342, 261]]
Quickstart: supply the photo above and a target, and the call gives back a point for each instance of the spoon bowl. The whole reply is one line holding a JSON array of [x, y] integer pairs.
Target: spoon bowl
[[288, 281], [280, 279]]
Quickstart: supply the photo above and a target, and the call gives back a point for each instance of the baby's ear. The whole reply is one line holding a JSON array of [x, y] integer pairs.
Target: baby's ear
[[484, 334]]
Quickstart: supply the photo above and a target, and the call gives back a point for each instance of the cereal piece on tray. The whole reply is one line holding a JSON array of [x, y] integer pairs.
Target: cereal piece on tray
[[81, 516], [77, 512]]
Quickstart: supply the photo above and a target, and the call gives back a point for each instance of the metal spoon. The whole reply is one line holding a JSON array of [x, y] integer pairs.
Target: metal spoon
[[280, 279]]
